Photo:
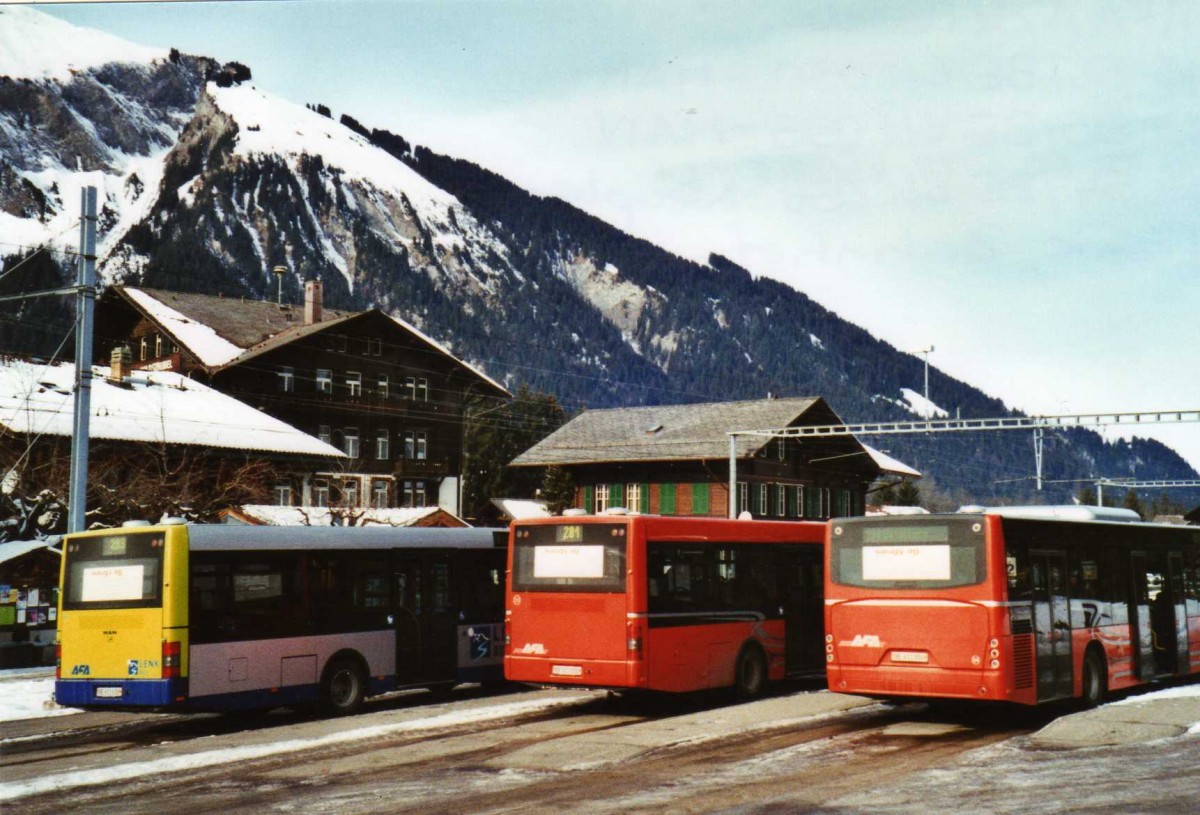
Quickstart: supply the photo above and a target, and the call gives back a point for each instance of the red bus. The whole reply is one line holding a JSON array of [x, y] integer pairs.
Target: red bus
[[662, 603], [1025, 605]]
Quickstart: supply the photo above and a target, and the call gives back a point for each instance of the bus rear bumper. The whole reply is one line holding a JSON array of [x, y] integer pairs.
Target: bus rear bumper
[[116, 693], [889, 683], [590, 673]]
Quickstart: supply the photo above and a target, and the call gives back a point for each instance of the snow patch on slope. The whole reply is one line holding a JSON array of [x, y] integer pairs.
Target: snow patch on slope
[[38, 46]]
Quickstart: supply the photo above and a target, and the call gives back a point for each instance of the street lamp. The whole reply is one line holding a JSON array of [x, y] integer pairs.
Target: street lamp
[[926, 352]]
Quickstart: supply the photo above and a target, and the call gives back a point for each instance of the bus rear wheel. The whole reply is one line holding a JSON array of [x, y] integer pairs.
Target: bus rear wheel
[[344, 688], [1095, 679], [750, 672]]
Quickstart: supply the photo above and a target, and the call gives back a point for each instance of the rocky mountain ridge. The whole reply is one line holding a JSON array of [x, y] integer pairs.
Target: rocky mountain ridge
[[209, 182]]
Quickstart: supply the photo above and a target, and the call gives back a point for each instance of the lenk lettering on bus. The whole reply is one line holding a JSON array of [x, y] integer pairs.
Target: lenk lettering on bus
[[863, 641], [536, 648]]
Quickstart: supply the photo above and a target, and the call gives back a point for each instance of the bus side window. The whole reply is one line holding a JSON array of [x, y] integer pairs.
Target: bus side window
[[1191, 582], [1017, 566], [439, 576], [1113, 590], [1088, 604]]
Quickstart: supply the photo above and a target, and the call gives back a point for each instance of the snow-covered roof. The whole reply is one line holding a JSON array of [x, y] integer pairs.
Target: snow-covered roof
[[897, 510], [151, 406], [34, 45], [521, 508], [322, 516], [225, 331], [15, 549], [211, 349], [888, 464]]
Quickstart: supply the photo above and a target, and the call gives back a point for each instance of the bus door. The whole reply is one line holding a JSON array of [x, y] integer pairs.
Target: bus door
[[1159, 593], [1146, 585], [1051, 624], [441, 621], [409, 609], [803, 610], [1179, 611]]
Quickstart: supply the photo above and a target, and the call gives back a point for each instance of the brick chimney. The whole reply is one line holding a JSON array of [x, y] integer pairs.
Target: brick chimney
[[312, 302], [121, 361]]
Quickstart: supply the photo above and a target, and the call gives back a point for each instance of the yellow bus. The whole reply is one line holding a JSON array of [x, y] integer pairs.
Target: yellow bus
[[215, 617]]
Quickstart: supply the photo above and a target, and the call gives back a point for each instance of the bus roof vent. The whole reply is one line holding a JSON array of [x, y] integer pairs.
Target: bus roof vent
[[972, 509], [136, 523], [173, 521], [573, 512], [616, 511], [1070, 512]]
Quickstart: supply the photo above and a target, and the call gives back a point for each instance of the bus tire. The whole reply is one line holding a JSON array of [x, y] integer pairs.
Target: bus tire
[[1095, 678], [344, 688], [749, 672]]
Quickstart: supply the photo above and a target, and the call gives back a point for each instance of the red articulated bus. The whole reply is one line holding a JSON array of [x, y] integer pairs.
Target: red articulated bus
[[663, 603], [1026, 605]]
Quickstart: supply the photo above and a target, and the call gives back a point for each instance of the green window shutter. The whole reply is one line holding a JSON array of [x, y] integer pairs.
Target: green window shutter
[[700, 499], [589, 499], [644, 499], [616, 495], [666, 499]]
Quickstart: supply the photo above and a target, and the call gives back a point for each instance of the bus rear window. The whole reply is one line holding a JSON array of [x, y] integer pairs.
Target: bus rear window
[[114, 571], [570, 557], [904, 554]]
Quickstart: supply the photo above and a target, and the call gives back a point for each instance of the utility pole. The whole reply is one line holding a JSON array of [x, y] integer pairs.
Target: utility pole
[[1039, 441], [85, 302]]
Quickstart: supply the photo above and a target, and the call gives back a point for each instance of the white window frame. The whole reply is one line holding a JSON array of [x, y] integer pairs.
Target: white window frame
[[633, 497], [384, 386], [287, 379], [379, 493], [354, 383], [324, 433], [324, 380], [382, 439], [600, 498], [764, 499], [283, 494], [350, 493], [320, 493], [781, 500], [350, 442]]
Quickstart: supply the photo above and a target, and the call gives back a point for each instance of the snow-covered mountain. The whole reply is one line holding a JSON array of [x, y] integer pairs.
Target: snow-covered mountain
[[209, 182]]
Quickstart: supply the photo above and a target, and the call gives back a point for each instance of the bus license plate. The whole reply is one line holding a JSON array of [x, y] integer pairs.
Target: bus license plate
[[109, 693], [566, 670], [910, 656]]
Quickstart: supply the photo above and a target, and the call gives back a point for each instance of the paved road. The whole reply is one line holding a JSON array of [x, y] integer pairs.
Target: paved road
[[551, 751]]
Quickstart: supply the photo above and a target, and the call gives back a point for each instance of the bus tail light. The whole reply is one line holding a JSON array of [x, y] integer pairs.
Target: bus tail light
[[171, 663], [58, 661], [635, 639]]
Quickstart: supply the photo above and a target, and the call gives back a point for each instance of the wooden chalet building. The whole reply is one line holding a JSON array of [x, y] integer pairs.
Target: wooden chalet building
[[674, 460], [369, 384]]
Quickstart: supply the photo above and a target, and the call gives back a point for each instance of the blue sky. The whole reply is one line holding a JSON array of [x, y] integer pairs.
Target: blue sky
[[1014, 183]]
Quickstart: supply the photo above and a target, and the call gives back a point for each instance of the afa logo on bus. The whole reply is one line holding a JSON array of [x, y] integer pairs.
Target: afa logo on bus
[[81, 670]]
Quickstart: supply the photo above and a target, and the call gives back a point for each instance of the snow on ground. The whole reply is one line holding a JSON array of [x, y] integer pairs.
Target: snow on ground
[[28, 694], [230, 755]]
